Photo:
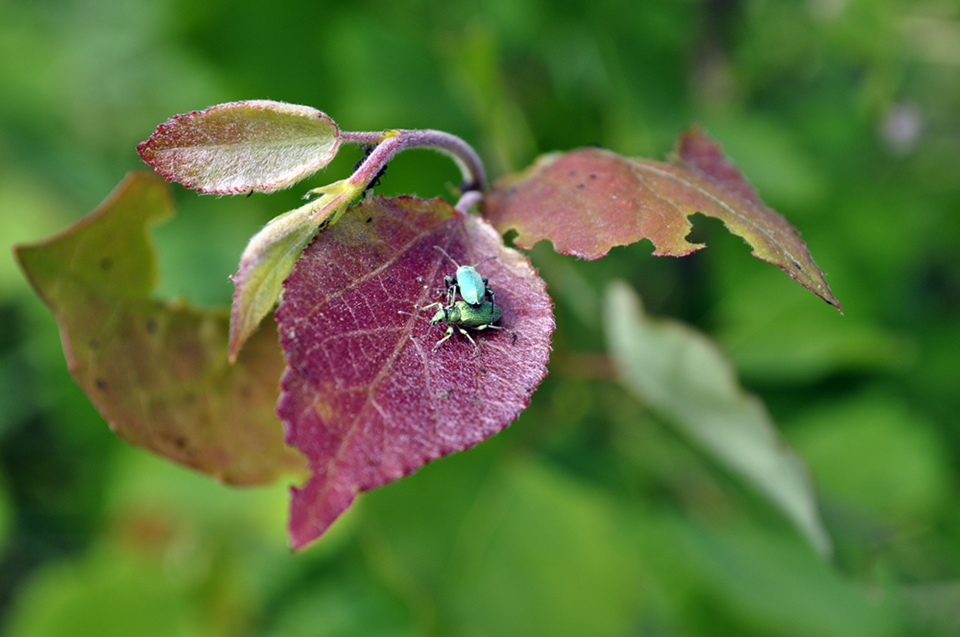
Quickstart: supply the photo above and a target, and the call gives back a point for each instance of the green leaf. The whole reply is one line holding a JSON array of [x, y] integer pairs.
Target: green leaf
[[681, 375], [157, 372], [6, 516], [240, 147], [771, 583], [877, 454], [271, 254], [518, 548], [105, 594]]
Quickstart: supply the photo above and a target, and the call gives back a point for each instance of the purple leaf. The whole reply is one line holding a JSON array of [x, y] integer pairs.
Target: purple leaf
[[366, 396]]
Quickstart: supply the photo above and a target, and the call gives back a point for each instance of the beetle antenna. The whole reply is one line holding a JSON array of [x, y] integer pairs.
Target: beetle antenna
[[425, 307], [490, 258], [447, 255], [457, 264]]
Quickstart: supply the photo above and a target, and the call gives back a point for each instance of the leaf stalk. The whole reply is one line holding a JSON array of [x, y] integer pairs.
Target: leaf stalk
[[391, 142]]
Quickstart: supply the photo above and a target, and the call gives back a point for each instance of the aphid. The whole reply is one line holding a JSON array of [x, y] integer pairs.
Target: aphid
[[461, 314], [473, 288], [376, 178]]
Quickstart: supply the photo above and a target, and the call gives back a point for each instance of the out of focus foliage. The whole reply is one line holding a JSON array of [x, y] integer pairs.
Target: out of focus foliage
[[588, 516]]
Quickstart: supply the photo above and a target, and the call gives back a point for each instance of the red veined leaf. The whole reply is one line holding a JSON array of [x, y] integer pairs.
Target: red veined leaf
[[366, 395]]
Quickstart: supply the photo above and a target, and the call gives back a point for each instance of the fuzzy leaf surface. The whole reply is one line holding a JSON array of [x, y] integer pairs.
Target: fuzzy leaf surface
[[239, 147], [366, 397], [270, 256], [157, 372], [682, 376], [587, 201]]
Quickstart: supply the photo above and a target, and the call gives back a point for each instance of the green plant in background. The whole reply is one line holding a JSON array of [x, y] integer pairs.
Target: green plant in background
[[612, 506], [362, 397]]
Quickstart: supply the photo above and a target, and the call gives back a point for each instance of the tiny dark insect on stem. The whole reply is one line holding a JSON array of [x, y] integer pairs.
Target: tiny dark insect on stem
[[376, 178]]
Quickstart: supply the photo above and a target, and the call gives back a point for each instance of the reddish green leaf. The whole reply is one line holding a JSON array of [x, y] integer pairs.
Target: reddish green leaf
[[587, 201], [157, 372], [240, 147], [366, 396]]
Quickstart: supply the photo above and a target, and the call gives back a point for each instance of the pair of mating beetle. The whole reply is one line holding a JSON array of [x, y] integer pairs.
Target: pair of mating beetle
[[475, 309]]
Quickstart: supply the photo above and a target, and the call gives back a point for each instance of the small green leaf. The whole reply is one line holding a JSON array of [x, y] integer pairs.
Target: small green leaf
[[271, 255], [157, 372], [681, 375], [240, 147]]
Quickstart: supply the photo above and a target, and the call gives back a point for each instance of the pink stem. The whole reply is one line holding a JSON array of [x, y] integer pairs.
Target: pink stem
[[474, 176]]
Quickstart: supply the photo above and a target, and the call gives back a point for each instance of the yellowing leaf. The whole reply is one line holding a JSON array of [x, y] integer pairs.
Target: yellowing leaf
[[157, 372], [271, 255]]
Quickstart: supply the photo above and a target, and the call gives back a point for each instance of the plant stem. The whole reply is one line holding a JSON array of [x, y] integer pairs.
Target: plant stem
[[389, 143]]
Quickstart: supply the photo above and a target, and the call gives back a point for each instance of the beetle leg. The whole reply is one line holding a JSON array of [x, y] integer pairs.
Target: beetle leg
[[447, 336], [469, 338], [452, 288], [489, 326]]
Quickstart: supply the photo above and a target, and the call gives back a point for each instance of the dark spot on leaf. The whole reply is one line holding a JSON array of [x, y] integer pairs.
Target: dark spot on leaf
[[106, 263], [101, 384], [797, 265], [151, 325], [249, 193], [94, 343], [572, 173], [581, 185], [444, 394], [180, 442], [369, 219], [476, 402], [483, 371]]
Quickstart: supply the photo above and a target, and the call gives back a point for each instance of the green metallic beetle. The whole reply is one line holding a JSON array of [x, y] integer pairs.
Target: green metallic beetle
[[461, 314], [473, 288]]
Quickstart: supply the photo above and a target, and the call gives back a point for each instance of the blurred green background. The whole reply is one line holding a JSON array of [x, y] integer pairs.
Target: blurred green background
[[589, 516]]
